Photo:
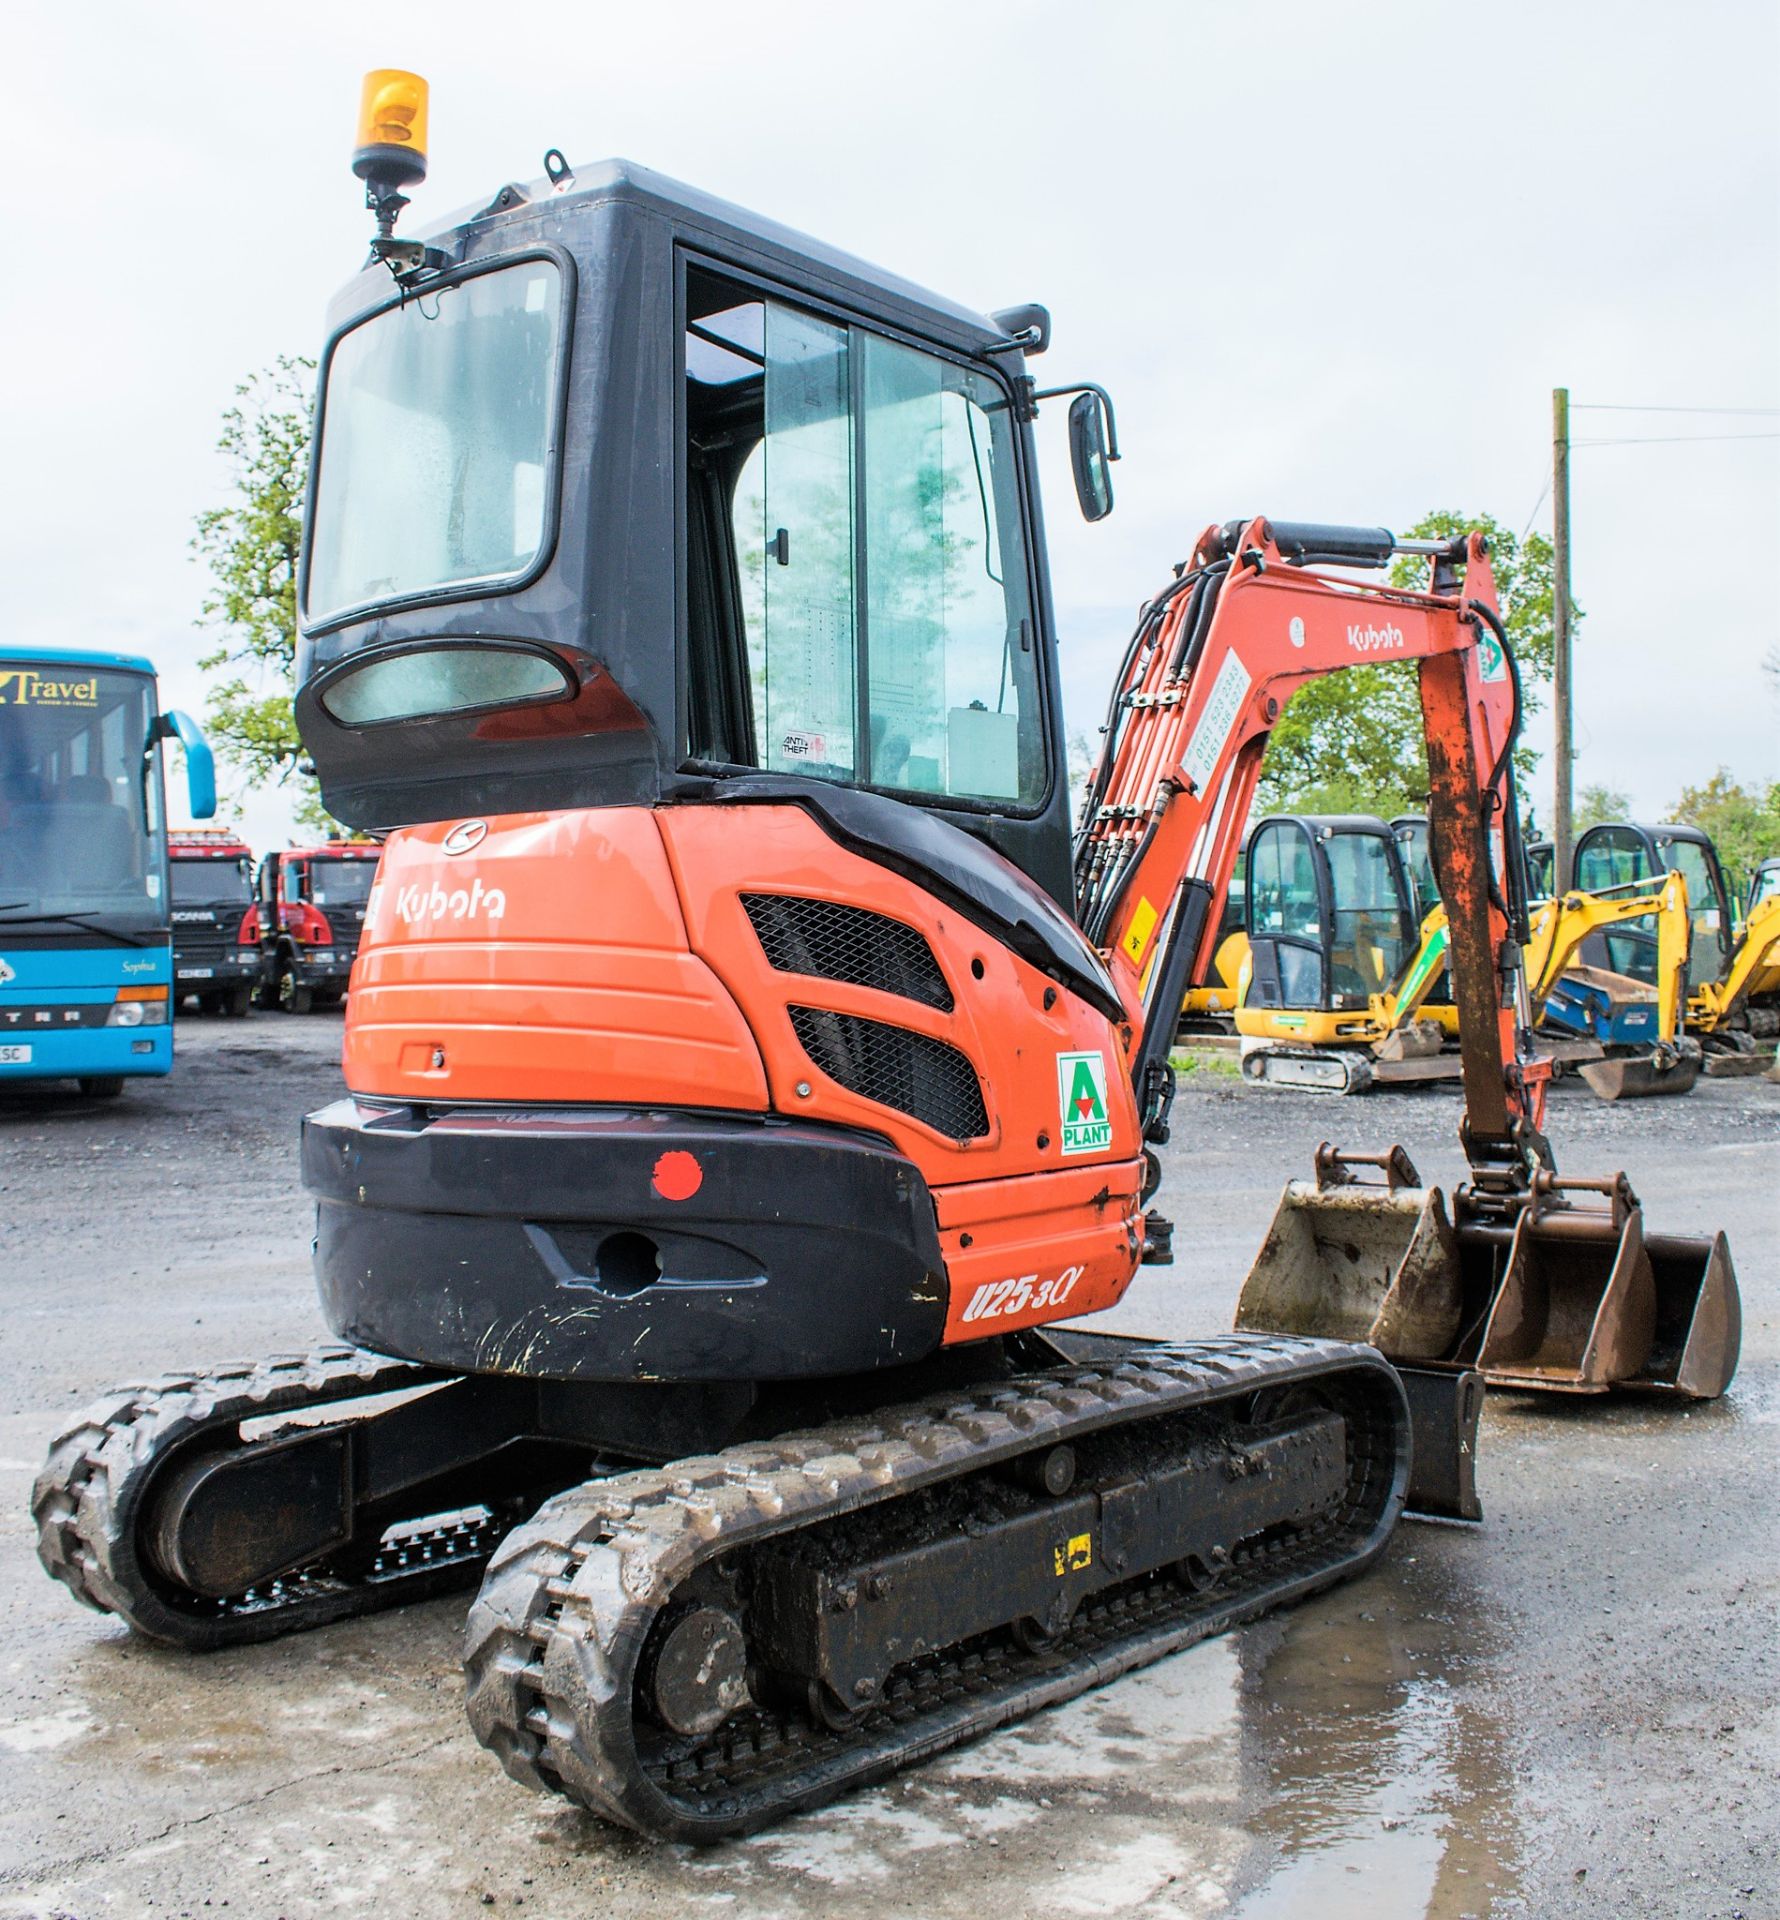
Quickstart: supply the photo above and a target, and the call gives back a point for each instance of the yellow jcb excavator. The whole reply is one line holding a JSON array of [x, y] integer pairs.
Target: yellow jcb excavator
[[1335, 993]]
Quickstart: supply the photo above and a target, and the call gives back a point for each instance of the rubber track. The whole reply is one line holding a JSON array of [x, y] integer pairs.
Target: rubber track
[[87, 1498], [555, 1636], [1355, 1062]]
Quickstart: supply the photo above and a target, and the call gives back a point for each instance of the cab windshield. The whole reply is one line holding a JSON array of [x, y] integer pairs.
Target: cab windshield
[[204, 883], [80, 818], [436, 464], [341, 883]]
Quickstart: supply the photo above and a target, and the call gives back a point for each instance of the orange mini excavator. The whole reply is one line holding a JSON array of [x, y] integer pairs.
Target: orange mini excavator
[[742, 1083]]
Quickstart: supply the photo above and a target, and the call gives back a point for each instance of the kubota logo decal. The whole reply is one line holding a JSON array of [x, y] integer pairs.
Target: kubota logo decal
[[415, 904], [465, 835], [1371, 639], [1081, 1096]]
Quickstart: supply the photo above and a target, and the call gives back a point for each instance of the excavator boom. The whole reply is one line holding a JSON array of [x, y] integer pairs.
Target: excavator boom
[[1211, 667], [1529, 1282]]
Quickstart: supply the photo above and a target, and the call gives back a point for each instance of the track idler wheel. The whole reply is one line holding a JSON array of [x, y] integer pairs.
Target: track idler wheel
[[695, 1674]]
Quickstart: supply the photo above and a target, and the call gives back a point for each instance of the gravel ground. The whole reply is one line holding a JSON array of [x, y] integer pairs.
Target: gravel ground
[[1572, 1711]]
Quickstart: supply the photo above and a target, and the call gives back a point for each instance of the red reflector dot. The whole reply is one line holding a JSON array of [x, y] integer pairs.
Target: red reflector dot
[[678, 1176]]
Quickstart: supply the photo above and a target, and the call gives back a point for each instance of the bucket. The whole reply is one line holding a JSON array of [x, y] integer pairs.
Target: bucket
[[1699, 1317], [1636, 1076], [1375, 1262], [1576, 1312]]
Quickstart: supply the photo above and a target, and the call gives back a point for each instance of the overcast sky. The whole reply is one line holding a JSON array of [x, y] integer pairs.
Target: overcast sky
[[1330, 261]]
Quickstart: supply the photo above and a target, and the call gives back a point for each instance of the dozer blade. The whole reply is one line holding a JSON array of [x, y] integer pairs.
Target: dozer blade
[[1377, 1263], [1637, 1076]]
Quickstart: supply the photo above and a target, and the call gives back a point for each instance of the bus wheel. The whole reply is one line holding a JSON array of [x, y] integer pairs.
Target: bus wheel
[[293, 996], [101, 1086]]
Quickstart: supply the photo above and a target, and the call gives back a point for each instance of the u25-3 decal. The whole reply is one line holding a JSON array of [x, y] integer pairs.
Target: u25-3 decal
[[996, 1299]]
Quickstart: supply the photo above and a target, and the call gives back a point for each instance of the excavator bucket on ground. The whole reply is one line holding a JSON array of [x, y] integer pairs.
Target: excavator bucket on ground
[[1634, 1076], [1699, 1317], [1576, 1310], [1357, 1261], [1566, 1297], [1626, 1016]]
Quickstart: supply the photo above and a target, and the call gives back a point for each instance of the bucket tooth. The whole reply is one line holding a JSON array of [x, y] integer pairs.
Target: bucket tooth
[[1576, 1311], [1373, 1263], [1699, 1317]]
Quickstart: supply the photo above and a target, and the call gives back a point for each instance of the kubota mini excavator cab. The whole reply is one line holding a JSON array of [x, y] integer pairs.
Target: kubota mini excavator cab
[[742, 1072]]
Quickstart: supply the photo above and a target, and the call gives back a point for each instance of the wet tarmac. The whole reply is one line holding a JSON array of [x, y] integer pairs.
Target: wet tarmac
[[1572, 1711]]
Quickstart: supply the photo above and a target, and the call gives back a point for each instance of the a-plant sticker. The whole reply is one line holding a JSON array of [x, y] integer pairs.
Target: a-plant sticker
[[1081, 1095]]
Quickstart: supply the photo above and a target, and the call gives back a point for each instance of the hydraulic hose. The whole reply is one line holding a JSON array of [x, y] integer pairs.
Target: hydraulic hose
[[1501, 792]]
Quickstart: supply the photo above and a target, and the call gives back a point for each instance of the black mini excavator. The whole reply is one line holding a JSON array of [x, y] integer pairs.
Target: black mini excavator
[[746, 1073]]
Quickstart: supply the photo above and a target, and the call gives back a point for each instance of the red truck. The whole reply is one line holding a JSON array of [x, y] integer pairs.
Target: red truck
[[312, 904], [216, 934]]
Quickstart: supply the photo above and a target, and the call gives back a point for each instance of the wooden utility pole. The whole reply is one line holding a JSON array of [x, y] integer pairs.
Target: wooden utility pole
[[1563, 749]]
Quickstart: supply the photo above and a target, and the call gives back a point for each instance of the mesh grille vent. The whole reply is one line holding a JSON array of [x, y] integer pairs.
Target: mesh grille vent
[[837, 942], [924, 1078]]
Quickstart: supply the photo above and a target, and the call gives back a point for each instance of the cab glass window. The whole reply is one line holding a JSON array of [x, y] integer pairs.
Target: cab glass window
[[1371, 944], [857, 595], [437, 445], [1611, 857], [430, 681], [1282, 896]]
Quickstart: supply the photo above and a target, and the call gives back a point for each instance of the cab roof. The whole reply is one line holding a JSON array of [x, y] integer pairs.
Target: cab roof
[[516, 212], [69, 657]]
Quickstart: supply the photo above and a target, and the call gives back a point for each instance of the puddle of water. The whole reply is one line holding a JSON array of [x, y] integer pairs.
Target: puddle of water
[[1383, 1786], [1122, 1802]]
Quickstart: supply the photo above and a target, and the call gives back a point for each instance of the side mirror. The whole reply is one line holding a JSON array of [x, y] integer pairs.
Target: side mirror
[[200, 762], [1090, 456]]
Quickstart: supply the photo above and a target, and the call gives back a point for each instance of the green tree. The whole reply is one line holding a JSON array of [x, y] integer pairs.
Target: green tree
[[251, 547], [1597, 806], [1352, 741], [1744, 822]]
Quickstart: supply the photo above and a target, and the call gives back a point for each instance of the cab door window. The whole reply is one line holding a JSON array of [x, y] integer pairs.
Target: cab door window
[[853, 514], [1370, 943], [1284, 918], [1705, 909]]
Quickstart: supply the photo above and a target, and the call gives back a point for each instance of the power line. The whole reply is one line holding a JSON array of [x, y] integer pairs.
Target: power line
[[1604, 406], [1537, 504], [1673, 439]]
